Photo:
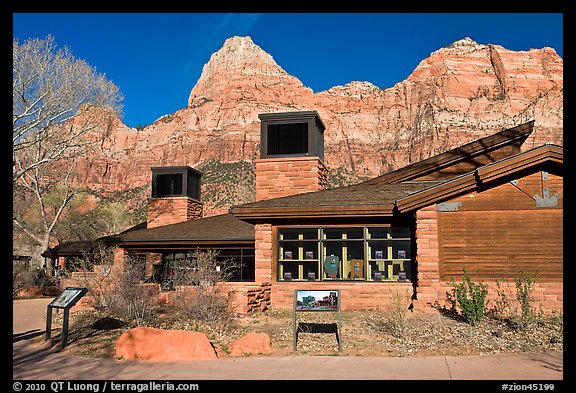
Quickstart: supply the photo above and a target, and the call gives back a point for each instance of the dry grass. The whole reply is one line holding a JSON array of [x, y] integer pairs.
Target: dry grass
[[364, 333]]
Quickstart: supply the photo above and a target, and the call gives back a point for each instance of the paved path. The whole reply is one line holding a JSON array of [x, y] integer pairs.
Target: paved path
[[30, 362]]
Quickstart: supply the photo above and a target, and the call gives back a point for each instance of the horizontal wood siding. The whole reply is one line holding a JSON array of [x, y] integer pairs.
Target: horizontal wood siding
[[510, 196], [501, 243], [499, 232]]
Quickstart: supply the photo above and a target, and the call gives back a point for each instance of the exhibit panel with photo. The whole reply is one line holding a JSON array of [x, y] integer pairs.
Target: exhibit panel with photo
[[317, 300]]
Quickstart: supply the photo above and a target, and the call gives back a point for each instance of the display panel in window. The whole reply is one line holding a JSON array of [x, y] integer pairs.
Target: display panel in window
[[345, 253]]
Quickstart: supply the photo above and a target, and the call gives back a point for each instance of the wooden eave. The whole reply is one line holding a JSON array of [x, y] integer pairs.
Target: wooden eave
[[516, 135], [178, 243], [480, 176], [443, 191], [552, 153], [249, 214]]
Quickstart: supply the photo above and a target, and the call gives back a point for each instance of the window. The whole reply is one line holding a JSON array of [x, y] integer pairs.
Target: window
[[244, 260], [169, 184], [288, 138], [345, 253], [291, 134], [242, 257], [193, 188], [176, 182]]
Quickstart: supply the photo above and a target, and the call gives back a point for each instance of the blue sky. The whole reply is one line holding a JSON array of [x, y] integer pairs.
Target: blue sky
[[157, 58]]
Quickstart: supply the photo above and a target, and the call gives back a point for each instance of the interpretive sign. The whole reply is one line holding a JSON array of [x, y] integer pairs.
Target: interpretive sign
[[317, 300], [68, 298], [307, 300]]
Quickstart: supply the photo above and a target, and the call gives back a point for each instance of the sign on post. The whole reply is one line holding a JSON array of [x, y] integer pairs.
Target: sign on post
[[65, 300], [317, 300]]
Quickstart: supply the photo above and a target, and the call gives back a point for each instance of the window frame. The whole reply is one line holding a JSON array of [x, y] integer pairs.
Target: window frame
[[287, 139], [388, 265], [190, 182]]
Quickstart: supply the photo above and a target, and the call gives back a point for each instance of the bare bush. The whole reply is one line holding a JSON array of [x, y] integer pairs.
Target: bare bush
[[197, 294], [139, 301], [96, 268], [21, 279], [396, 317], [121, 292]]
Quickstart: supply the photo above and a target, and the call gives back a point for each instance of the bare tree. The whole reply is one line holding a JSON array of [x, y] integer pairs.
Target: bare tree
[[119, 292], [61, 107], [57, 99]]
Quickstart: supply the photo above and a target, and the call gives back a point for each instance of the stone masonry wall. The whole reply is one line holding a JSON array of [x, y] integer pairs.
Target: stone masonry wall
[[172, 210], [279, 177], [246, 299], [427, 259], [263, 257], [353, 295]]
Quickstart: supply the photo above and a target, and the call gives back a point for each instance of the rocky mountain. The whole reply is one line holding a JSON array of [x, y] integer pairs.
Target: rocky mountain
[[458, 94]]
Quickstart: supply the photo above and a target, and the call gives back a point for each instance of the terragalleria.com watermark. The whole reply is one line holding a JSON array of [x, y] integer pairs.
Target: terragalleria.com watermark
[[104, 386]]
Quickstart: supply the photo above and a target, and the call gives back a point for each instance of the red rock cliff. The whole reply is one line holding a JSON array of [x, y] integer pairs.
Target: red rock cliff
[[458, 94]]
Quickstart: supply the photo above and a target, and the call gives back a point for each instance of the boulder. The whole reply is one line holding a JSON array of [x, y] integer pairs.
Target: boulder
[[146, 343], [251, 344], [30, 293]]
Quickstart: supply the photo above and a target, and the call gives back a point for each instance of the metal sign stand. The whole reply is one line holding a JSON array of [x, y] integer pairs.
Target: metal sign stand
[[299, 307], [68, 298]]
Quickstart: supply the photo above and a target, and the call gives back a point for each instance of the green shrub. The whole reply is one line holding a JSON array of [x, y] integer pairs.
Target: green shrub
[[503, 306], [524, 288], [471, 298]]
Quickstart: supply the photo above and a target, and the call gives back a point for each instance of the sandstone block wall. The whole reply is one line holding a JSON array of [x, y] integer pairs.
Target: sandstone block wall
[[279, 177], [164, 211], [353, 295], [427, 260], [263, 253], [246, 299]]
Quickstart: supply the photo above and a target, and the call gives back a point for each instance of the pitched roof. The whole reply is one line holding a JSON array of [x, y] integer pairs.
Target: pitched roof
[[222, 228], [71, 248], [476, 153], [355, 200], [382, 199], [549, 154]]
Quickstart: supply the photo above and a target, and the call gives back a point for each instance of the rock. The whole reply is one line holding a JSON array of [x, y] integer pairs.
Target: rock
[[30, 293], [146, 343], [251, 344], [458, 94]]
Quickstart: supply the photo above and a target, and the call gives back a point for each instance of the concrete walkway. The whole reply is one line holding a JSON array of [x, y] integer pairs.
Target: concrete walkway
[[32, 363]]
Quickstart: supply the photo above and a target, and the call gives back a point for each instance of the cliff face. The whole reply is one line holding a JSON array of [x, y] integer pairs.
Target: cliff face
[[458, 94]]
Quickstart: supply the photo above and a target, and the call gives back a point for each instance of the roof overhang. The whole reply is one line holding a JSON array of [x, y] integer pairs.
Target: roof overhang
[[547, 154], [250, 214], [499, 142], [157, 245], [185, 241]]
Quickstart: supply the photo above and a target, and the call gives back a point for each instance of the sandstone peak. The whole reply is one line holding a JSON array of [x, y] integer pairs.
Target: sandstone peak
[[239, 58], [240, 50], [466, 41], [354, 88], [460, 47], [463, 92]]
